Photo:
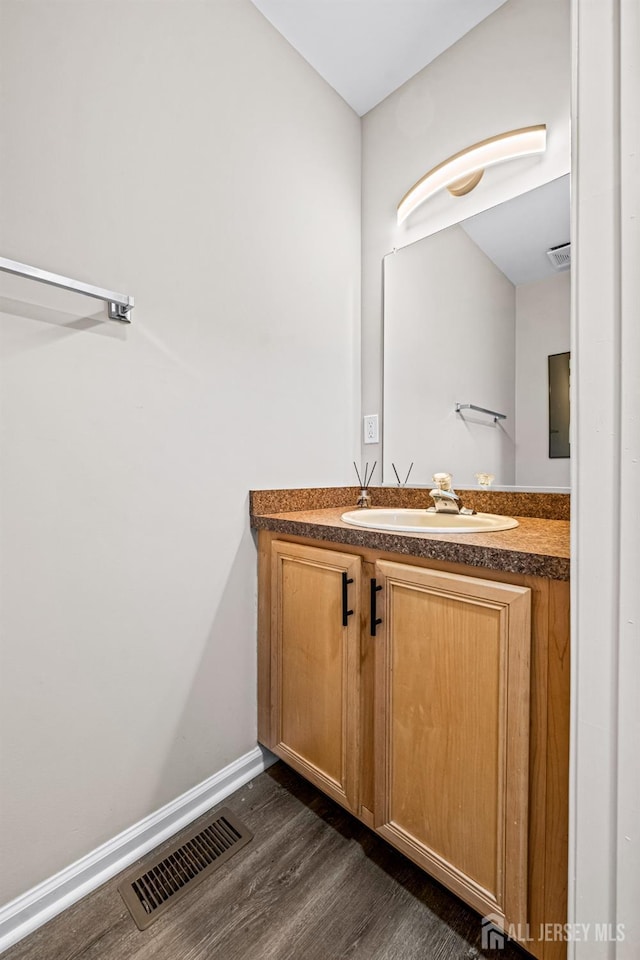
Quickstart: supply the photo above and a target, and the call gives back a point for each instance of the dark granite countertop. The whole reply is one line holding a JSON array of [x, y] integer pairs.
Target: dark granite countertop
[[538, 547]]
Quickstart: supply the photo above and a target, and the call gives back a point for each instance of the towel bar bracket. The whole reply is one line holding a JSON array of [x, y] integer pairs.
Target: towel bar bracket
[[119, 311]]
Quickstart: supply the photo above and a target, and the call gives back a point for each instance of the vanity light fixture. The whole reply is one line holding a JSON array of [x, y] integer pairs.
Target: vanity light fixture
[[463, 171]]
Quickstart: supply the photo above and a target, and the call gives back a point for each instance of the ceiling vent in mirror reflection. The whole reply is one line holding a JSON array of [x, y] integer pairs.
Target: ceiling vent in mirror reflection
[[463, 171], [560, 256]]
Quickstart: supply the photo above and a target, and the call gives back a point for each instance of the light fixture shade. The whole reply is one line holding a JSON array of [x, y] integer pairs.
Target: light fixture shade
[[467, 166]]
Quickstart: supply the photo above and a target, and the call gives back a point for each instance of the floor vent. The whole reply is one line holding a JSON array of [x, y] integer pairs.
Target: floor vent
[[167, 874]]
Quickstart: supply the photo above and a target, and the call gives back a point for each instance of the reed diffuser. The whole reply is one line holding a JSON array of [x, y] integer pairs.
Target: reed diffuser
[[364, 500]]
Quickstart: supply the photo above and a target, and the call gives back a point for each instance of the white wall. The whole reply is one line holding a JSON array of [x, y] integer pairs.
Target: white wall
[[543, 312], [183, 153], [512, 70], [451, 340]]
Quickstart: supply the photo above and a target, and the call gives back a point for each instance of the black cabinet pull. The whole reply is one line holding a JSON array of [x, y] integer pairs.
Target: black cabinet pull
[[345, 600], [375, 620]]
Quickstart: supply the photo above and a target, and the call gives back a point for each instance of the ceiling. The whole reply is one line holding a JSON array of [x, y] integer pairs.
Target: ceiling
[[366, 49]]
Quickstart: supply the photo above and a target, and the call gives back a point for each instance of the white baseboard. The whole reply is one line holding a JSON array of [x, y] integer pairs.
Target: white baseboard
[[38, 905]]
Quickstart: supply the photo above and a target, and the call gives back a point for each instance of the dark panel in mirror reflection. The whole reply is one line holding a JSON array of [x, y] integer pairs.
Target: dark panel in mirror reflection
[[559, 366]]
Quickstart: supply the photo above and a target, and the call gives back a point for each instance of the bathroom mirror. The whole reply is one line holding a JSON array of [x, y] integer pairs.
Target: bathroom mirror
[[471, 316]]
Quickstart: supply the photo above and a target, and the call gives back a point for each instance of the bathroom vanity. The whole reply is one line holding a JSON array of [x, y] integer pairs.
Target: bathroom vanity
[[422, 681]]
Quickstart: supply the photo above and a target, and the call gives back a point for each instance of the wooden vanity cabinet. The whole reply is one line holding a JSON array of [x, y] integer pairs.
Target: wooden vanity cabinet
[[452, 730], [315, 650], [446, 732]]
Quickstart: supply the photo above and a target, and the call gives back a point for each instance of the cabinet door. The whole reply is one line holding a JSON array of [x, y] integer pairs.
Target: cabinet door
[[314, 668], [452, 730]]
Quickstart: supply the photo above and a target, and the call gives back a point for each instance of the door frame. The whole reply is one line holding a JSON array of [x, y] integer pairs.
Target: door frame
[[604, 847]]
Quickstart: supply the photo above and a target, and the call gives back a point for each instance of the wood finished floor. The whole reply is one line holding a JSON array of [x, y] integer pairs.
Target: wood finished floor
[[313, 884]]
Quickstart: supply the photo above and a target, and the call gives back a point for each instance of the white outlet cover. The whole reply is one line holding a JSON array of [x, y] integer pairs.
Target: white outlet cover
[[371, 428]]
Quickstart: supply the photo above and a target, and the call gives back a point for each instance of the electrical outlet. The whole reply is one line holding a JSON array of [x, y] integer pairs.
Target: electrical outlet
[[371, 428]]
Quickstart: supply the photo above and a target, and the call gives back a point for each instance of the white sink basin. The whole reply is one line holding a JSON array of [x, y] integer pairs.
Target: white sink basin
[[420, 521]]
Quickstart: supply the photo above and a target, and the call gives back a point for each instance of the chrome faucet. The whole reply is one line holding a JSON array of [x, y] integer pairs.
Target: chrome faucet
[[445, 500]]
